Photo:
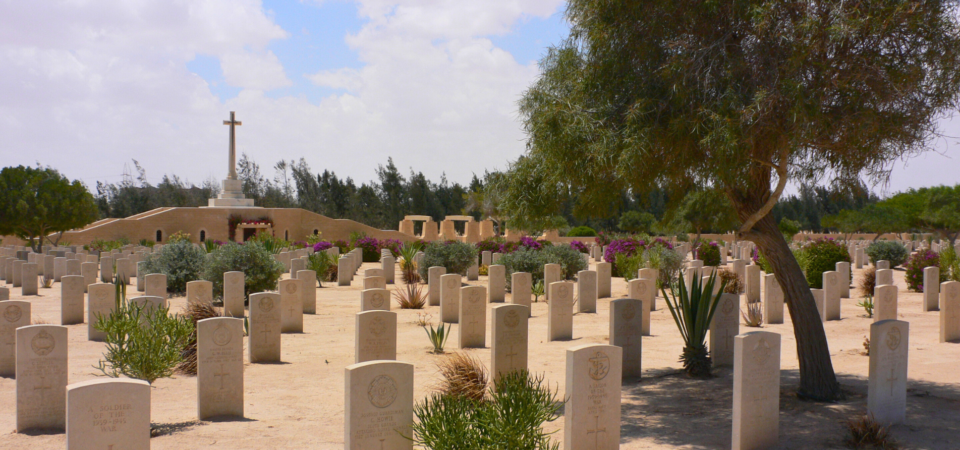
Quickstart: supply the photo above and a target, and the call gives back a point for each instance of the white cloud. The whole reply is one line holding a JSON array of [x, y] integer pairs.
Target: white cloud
[[345, 78], [253, 71]]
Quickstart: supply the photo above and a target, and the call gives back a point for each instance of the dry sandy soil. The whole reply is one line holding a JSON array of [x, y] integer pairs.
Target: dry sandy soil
[[298, 404]]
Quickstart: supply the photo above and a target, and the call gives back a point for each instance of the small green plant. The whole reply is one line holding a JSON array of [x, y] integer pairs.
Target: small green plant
[[510, 417], [210, 245], [890, 251], [268, 241], [438, 337], [537, 290], [865, 432], [408, 262], [708, 252], [752, 315], [314, 239], [949, 264], [145, 344], [692, 311], [323, 264], [412, 296], [867, 304], [628, 266]]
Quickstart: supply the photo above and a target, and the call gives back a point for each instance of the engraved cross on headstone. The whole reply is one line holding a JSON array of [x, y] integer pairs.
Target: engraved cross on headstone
[[893, 378], [511, 354], [43, 387], [596, 432], [265, 331], [221, 375], [232, 173]]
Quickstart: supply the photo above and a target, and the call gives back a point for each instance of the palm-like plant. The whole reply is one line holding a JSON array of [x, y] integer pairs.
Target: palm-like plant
[[537, 290], [438, 337], [693, 311], [408, 263]]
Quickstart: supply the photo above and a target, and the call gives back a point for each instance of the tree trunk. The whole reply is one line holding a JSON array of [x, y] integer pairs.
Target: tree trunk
[[817, 378]]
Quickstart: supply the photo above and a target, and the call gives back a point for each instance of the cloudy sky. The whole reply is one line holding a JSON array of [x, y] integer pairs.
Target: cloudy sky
[[89, 85]]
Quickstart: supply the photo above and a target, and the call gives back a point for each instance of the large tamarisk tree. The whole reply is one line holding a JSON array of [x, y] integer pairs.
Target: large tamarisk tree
[[740, 96]]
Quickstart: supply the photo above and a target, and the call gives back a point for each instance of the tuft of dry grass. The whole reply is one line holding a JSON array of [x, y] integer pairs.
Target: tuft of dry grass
[[734, 282], [39, 321], [411, 296], [463, 376], [196, 311], [753, 315], [865, 432]]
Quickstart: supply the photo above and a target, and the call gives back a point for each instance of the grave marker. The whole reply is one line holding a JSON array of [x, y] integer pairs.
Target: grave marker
[[374, 282], [560, 312], [155, 285], [950, 311], [843, 268], [308, 290], [626, 331], [551, 274], [604, 277], [291, 314], [450, 298], [756, 390], [887, 385], [71, 299], [931, 288], [884, 303], [111, 414], [29, 280], [752, 283], [772, 300], [587, 291], [88, 271], [831, 295], [521, 289], [473, 317], [434, 284], [101, 301], [510, 336], [375, 300], [376, 336], [233, 294], [264, 342], [724, 326], [884, 277], [219, 367], [591, 418], [496, 282], [378, 405], [41, 376], [13, 314], [200, 292]]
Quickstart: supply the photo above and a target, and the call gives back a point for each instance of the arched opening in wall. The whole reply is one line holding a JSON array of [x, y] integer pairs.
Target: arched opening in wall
[[316, 231], [286, 235], [159, 236], [203, 235]]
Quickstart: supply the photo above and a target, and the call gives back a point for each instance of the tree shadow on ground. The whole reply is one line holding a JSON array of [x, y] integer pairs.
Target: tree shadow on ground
[[672, 409]]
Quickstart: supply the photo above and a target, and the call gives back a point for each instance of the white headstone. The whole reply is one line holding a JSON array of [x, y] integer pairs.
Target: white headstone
[[41, 376], [950, 311], [13, 314], [155, 285], [264, 342], [884, 303], [375, 300], [560, 311], [887, 386], [752, 283], [509, 336], [473, 317], [110, 414], [219, 367], [376, 336], [604, 277], [233, 294], [101, 301], [723, 328], [291, 314], [433, 280], [450, 298], [756, 390], [931, 288], [71, 299], [591, 418], [378, 405], [772, 300], [626, 332], [497, 282], [551, 274], [831, 295], [587, 291]]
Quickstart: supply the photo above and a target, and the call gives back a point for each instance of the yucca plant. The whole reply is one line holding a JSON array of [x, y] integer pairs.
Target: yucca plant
[[411, 297], [692, 311], [438, 337], [537, 290], [210, 245], [408, 262]]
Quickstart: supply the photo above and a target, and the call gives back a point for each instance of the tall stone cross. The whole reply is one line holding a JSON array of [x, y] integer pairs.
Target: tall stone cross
[[232, 172]]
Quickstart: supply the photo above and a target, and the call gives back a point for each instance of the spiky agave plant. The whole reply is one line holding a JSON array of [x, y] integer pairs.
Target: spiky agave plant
[[692, 311]]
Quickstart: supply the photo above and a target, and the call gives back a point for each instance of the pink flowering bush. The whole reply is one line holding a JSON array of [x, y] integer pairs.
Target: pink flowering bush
[[915, 266], [580, 247]]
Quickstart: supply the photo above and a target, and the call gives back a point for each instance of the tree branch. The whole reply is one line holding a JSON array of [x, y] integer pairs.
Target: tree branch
[[772, 200]]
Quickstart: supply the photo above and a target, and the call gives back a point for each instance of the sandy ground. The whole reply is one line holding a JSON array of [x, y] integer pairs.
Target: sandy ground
[[299, 403]]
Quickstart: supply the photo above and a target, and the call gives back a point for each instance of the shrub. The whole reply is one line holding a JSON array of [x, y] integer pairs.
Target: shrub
[[531, 243], [580, 247], [915, 266], [493, 244], [106, 246], [457, 257], [261, 271], [789, 228], [582, 231], [408, 262], [512, 417], [764, 264], [868, 282], [523, 260], [322, 246], [370, 248], [272, 244], [179, 236], [325, 266], [569, 259], [438, 337], [708, 252], [180, 261], [412, 296], [394, 245], [343, 245], [949, 264], [626, 246], [665, 259], [865, 432], [146, 352], [819, 256], [887, 251], [628, 267]]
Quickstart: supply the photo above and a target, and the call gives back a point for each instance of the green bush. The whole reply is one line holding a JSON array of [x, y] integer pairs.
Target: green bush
[[709, 253], [532, 261], [180, 261], [949, 264], [582, 231], [628, 267], [512, 417], [819, 256], [261, 271], [325, 265], [789, 228], [457, 257], [887, 251], [145, 344], [915, 265], [667, 261]]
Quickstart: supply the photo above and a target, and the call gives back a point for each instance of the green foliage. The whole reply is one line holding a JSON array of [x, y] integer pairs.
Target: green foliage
[[36, 202], [708, 252], [143, 343], [537, 290], [914, 269], [950, 264], [268, 241], [210, 245], [324, 265], [764, 263], [582, 231], [693, 311], [887, 251], [438, 337], [822, 255], [408, 261], [789, 228], [707, 210], [512, 418], [314, 239], [636, 222], [570, 260], [532, 261], [106, 246], [667, 261], [181, 262], [261, 271], [457, 257], [179, 236], [628, 267]]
